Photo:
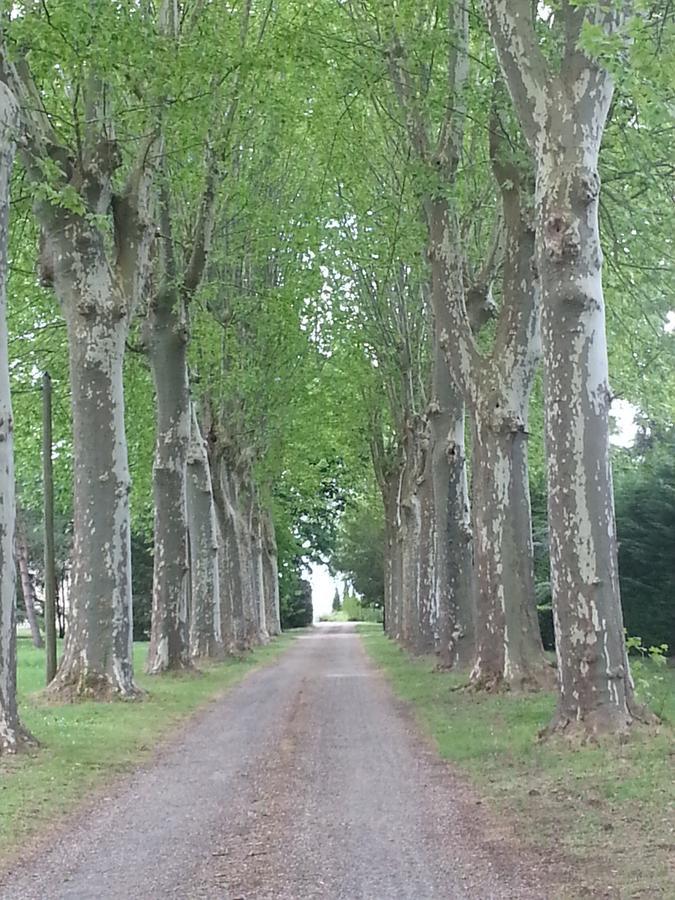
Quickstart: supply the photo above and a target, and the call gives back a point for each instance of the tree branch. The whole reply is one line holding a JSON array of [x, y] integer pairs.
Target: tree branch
[[524, 65], [201, 238], [449, 146], [406, 96]]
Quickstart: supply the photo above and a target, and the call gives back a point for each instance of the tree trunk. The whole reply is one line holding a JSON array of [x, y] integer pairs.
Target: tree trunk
[[257, 568], [596, 690], [509, 649], [239, 626], [206, 641], [97, 284], [391, 563], [417, 539], [97, 662], [27, 587], [167, 345], [396, 542], [563, 114], [453, 603], [270, 574], [230, 595], [427, 552], [11, 733], [246, 554]]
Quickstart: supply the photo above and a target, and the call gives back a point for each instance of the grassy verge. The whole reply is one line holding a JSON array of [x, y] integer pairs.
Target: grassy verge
[[84, 745], [352, 610], [608, 810]]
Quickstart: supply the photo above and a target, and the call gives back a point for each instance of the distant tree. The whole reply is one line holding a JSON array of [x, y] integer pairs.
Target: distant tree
[[336, 601], [296, 605], [360, 551]]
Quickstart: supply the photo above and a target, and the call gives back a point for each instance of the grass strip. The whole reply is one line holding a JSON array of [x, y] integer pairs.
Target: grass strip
[[607, 809]]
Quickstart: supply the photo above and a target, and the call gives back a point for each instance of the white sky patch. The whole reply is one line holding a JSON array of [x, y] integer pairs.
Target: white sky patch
[[670, 322], [323, 589], [625, 429]]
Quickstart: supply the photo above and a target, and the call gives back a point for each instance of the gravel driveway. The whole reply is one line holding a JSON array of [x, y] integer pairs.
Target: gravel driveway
[[307, 780]]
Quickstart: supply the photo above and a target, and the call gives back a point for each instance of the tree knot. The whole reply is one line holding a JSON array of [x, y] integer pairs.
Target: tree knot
[[561, 237]]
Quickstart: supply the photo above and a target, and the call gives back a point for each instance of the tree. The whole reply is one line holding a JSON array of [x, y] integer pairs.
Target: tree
[[180, 271], [296, 605], [11, 732], [206, 639], [493, 624], [27, 590], [563, 109], [360, 549], [337, 604], [97, 281]]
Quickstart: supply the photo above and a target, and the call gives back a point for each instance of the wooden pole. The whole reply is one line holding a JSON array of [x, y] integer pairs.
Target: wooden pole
[[50, 568]]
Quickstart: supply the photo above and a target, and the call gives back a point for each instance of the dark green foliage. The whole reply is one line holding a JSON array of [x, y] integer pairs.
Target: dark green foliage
[[645, 514], [360, 550], [337, 605], [141, 584], [296, 604]]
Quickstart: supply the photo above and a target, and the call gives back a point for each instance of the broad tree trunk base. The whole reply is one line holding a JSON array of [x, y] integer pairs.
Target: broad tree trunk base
[[593, 727], [71, 688], [530, 680], [208, 654], [175, 667], [18, 740]]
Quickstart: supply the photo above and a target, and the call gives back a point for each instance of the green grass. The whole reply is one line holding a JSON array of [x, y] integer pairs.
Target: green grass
[[607, 810], [83, 745], [372, 616], [354, 611]]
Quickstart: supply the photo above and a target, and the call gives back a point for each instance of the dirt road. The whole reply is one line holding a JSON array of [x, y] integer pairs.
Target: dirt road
[[308, 780]]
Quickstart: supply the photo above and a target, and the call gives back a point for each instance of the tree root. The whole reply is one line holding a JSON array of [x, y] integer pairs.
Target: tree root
[[20, 740], [600, 725], [77, 687]]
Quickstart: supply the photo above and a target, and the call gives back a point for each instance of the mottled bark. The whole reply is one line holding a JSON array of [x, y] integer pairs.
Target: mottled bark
[[394, 550], [392, 558], [206, 641], [167, 348], [242, 501], [97, 661], [240, 614], [11, 733], [596, 690], [27, 590], [227, 574], [563, 115], [228, 556], [270, 574], [508, 643], [257, 568], [97, 296], [407, 496], [416, 520], [509, 648], [424, 639], [453, 589], [441, 153]]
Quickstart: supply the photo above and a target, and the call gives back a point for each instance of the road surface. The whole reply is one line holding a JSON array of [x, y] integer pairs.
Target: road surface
[[307, 781]]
